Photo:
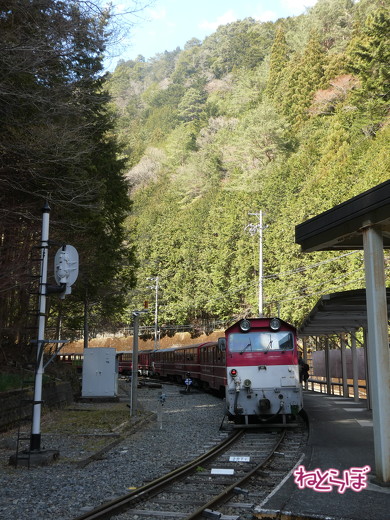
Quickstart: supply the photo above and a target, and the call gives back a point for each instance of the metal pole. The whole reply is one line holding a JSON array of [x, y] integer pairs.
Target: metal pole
[[344, 366], [253, 229], [366, 369], [134, 373], [86, 331], [378, 348], [327, 367], [305, 357], [355, 369], [35, 440], [156, 317]]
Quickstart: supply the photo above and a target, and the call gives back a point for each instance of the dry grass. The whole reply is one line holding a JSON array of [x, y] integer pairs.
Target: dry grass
[[87, 419], [126, 343]]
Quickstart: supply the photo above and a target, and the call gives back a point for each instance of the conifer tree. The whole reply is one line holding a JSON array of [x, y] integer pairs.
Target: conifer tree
[[370, 56], [277, 65], [57, 144], [305, 77]]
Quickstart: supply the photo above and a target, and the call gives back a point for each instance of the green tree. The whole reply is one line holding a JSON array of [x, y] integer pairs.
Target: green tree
[[370, 56], [192, 105], [57, 144], [304, 76], [333, 19], [277, 65], [242, 44]]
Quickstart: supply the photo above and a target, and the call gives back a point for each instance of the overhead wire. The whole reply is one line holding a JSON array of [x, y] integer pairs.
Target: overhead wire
[[324, 282], [362, 278], [304, 268], [286, 273]]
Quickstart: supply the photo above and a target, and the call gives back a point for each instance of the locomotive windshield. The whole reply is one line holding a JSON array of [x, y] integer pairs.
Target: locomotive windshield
[[260, 341]]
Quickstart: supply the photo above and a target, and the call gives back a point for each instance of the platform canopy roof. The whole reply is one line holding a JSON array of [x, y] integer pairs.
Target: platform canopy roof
[[338, 312], [340, 228]]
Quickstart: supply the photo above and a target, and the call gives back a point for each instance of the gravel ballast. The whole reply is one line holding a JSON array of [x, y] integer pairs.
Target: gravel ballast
[[161, 438]]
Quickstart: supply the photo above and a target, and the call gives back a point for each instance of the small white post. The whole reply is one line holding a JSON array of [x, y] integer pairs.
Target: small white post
[[161, 399]]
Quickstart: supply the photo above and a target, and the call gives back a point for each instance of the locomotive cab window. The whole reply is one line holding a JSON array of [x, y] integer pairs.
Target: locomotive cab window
[[260, 341]]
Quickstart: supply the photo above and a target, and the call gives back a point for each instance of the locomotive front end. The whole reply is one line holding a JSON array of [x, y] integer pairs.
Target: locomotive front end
[[262, 371]]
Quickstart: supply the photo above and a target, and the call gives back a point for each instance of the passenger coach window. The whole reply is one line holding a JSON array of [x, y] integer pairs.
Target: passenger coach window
[[260, 341]]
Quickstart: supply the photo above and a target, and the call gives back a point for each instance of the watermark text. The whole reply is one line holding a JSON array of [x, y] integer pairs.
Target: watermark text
[[325, 481]]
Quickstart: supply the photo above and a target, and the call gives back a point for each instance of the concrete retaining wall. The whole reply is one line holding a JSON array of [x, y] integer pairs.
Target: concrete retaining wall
[[17, 403]]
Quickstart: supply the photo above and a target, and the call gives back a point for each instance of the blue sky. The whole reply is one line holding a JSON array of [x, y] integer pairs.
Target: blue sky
[[168, 24]]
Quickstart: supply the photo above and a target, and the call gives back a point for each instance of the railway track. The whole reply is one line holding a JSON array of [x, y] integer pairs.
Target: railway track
[[226, 482]]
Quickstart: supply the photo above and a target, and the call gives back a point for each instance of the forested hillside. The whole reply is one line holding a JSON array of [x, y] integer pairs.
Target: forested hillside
[[290, 118], [153, 170]]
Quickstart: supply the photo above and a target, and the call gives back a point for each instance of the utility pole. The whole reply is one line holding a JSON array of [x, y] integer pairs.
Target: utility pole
[[155, 287], [134, 372], [156, 317], [253, 229], [86, 331]]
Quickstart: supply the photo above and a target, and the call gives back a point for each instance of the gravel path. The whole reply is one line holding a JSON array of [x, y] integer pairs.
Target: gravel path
[[185, 426]]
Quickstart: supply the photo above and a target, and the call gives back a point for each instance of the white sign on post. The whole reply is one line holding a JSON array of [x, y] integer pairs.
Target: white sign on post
[[66, 267]]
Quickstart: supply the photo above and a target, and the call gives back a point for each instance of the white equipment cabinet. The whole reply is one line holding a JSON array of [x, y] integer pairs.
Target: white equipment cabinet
[[100, 372]]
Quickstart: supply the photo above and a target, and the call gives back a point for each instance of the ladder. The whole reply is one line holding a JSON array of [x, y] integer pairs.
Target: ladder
[[24, 422], [22, 436]]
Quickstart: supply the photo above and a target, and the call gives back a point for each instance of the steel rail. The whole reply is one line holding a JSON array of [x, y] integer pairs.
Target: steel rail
[[229, 491], [115, 506]]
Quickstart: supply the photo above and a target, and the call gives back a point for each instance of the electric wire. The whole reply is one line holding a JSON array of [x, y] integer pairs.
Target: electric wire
[[312, 266], [361, 279], [299, 270], [324, 282]]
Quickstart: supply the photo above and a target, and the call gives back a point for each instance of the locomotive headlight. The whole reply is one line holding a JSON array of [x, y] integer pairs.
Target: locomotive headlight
[[233, 372], [247, 383], [245, 325], [275, 324]]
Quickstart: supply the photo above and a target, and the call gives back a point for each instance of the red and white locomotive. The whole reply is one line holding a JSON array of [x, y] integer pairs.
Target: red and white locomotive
[[262, 370]]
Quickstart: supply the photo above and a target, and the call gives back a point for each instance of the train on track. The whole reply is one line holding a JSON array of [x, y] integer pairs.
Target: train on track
[[262, 370], [255, 365]]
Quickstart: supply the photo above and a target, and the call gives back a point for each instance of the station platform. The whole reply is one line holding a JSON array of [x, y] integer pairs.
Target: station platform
[[340, 438]]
